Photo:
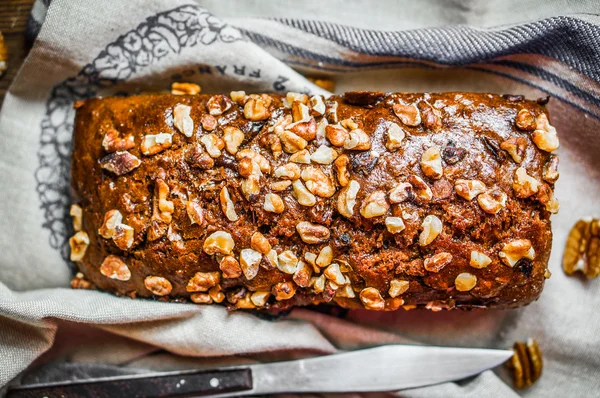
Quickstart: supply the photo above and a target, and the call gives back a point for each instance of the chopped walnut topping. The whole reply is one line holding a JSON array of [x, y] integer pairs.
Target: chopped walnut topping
[[525, 120], [305, 129], [291, 96], [289, 171], [331, 111], [185, 88], [395, 136], [515, 250], [182, 119], [292, 142], [213, 144], [300, 112], [394, 225], [318, 283], [219, 242], [195, 212], [162, 210], [112, 227], [218, 104], [422, 191], [259, 243], [317, 104], [249, 261], [479, 260], [77, 213], [302, 157], [544, 136], [281, 124], [79, 282], [312, 233], [345, 291], [274, 144], [401, 192], [469, 189], [202, 281], [123, 236], [256, 157], [208, 122], [233, 138], [112, 218], [245, 302], [256, 109], [371, 299], [120, 162], [227, 205], [239, 97], [287, 262], [336, 134], [260, 298], [324, 258], [311, 258], [196, 157], [247, 168], [158, 285], [341, 169], [324, 155], [79, 244], [431, 163], [303, 273], [546, 197], [349, 124], [155, 143], [515, 147], [347, 199], [251, 187], [201, 298], [550, 173], [524, 184], [284, 290], [374, 205], [303, 195], [334, 274], [408, 114], [273, 203], [398, 287], [112, 142], [437, 262], [318, 182], [432, 118], [358, 140], [465, 282], [270, 260], [230, 267], [432, 227], [216, 294], [279, 186], [492, 201]]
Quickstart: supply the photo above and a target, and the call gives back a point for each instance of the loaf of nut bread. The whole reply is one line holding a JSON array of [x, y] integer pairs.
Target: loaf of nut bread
[[365, 200]]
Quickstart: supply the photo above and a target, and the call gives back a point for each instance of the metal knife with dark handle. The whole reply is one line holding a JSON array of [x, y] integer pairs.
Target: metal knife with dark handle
[[385, 368]]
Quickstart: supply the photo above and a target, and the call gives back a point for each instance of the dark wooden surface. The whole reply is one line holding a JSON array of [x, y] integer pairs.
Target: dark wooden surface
[[13, 19]]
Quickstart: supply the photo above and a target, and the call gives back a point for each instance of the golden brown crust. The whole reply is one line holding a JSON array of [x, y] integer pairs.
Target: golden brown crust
[[433, 151]]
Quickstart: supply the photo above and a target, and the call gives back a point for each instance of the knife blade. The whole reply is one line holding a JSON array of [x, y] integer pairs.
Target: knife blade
[[384, 368]]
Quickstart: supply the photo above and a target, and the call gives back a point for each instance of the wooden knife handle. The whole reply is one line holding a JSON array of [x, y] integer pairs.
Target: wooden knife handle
[[200, 383]]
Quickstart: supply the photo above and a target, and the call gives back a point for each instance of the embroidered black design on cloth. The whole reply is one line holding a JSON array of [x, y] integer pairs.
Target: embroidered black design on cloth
[[161, 35]]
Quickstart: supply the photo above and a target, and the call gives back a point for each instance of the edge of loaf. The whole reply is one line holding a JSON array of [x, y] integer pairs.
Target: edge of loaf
[[366, 200]]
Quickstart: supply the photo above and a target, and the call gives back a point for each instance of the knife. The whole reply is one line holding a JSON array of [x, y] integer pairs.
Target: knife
[[384, 368]]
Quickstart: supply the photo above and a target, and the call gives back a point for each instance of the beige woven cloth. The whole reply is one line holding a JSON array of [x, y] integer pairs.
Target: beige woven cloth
[[90, 48]]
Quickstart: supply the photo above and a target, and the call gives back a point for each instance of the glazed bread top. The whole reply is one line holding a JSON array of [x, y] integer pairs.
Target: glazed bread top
[[365, 199]]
